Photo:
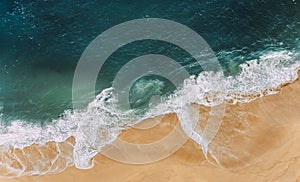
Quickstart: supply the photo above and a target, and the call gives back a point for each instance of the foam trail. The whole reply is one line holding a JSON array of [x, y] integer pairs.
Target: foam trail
[[213, 125]]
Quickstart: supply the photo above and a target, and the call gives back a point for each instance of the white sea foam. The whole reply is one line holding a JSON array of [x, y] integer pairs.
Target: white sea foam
[[101, 122]]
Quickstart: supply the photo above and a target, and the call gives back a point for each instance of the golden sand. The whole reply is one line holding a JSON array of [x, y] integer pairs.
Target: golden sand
[[260, 141]]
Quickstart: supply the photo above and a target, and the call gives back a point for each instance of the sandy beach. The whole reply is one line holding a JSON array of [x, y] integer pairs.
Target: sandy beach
[[149, 91], [258, 141]]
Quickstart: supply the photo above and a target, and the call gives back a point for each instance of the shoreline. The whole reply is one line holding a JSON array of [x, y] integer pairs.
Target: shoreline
[[267, 129]]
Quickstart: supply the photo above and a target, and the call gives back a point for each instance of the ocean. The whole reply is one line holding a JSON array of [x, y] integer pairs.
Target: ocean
[[256, 44]]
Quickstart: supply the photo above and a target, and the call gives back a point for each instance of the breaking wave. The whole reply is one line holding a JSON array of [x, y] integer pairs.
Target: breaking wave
[[78, 135]]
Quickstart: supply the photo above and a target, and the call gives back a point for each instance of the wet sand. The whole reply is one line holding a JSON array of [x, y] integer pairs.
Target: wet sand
[[257, 141]]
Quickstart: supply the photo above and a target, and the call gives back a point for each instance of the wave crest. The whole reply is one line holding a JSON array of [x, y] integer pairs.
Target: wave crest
[[77, 136]]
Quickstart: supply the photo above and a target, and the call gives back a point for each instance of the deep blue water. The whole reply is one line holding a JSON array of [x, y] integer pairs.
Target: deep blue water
[[41, 42]]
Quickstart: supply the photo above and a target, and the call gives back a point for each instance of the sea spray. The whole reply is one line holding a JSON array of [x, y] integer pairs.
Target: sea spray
[[101, 122]]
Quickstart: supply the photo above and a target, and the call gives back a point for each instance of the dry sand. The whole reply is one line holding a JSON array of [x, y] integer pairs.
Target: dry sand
[[258, 141]]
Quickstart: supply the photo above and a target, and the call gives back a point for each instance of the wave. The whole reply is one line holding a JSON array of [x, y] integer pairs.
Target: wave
[[78, 135]]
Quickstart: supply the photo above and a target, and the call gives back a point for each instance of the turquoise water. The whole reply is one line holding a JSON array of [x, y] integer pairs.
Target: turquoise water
[[257, 44], [41, 42]]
